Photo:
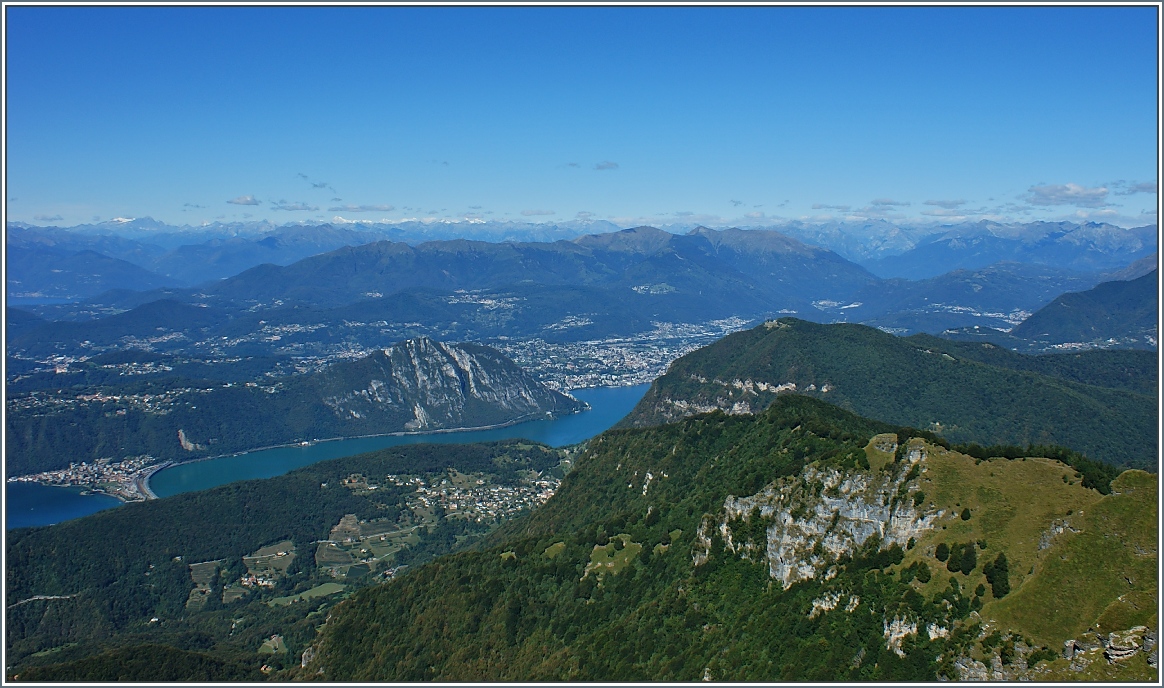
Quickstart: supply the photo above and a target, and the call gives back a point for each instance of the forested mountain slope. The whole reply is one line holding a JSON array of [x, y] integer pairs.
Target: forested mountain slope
[[1132, 370], [902, 381]]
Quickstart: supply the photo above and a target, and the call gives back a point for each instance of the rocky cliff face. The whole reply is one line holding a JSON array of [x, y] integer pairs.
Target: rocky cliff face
[[811, 520], [431, 385], [734, 397]]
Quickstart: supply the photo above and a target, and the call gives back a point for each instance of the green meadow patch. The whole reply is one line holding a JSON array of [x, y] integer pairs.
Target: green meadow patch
[[880, 450], [612, 559], [1102, 571], [273, 646], [318, 591]]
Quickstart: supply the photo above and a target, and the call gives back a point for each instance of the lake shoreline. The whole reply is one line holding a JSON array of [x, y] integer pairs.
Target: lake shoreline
[[145, 482], [34, 504]]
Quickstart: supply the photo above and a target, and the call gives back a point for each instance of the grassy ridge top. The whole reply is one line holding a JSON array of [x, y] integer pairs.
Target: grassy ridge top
[[914, 383]]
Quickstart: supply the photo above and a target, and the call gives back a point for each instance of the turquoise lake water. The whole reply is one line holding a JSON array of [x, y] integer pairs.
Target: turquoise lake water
[[30, 504], [34, 505]]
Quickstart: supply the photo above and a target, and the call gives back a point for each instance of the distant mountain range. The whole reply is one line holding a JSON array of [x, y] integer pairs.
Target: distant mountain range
[[47, 274], [57, 263], [153, 232], [416, 385], [187, 256], [751, 268], [598, 286], [190, 255], [592, 287], [919, 381], [918, 252]]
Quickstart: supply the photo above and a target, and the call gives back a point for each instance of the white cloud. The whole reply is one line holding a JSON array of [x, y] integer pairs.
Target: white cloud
[[887, 202], [1143, 187], [606, 165], [528, 213], [245, 200], [1067, 194], [948, 205], [1093, 214], [361, 209], [948, 213]]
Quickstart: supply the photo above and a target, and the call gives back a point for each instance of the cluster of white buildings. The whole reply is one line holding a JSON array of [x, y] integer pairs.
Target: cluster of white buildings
[[120, 479]]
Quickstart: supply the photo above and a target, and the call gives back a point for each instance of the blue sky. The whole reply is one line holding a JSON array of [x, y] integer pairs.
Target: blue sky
[[657, 115]]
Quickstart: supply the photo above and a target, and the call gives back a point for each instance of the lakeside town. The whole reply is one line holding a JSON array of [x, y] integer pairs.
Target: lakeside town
[[127, 480]]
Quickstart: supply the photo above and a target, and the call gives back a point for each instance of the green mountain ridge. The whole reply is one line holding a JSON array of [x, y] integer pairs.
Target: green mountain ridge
[[1130, 370], [800, 544], [900, 380]]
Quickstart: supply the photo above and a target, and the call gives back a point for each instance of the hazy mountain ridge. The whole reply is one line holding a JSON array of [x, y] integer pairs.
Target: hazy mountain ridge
[[1090, 247], [191, 255], [411, 231], [184, 258], [921, 251], [1121, 310], [196, 254], [50, 273], [627, 259], [1121, 314]]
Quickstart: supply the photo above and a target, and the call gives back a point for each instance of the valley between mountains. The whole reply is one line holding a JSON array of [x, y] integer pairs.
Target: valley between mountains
[[837, 474]]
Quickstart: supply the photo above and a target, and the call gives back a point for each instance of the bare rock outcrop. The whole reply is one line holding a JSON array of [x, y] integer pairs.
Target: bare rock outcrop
[[813, 519]]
